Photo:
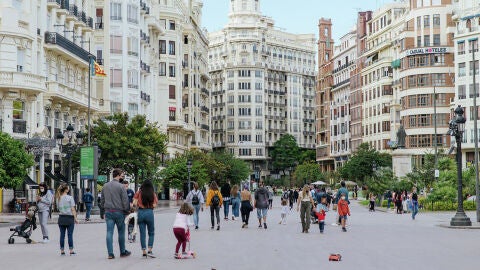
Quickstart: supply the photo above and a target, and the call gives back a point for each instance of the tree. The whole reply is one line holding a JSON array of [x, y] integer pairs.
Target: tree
[[14, 161], [307, 155], [132, 144], [381, 181], [176, 173], [285, 153], [237, 170], [361, 165], [308, 172]]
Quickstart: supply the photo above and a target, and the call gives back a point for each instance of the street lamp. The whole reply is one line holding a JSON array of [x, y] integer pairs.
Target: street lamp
[[69, 148], [456, 129], [189, 169]]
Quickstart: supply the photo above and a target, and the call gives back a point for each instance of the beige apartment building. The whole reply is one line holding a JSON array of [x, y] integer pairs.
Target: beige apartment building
[[263, 86]]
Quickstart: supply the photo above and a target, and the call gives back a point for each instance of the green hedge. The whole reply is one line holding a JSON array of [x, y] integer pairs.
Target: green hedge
[[433, 206]]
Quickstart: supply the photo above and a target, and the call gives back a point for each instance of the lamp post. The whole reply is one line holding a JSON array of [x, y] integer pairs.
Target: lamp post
[[456, 129], [189, 168], [69, 148]]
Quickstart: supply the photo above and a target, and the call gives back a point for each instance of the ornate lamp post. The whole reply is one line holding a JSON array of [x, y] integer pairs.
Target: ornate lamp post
[[189, 169], [69, 148], [456, 129]]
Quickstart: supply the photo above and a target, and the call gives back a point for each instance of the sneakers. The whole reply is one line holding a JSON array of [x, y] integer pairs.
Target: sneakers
[[265, 225], [344, 229], [45, 240], [259, 226], [126, 253], [218, 228], [243, 225], [196, 227]]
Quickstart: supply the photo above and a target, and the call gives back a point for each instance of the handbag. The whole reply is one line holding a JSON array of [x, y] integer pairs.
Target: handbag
[[65, 220], [250, 206]]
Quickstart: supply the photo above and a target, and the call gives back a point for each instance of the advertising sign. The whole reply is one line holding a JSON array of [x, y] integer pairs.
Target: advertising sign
[[87, 162]]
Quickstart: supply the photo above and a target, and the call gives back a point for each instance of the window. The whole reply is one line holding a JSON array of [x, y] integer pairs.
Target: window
[[244, 152], [132, 109], [258, 73], [115, 107], [258, 111], [472, 67], [132, 14], [426, 21], [419, 41], [436, 40], [259, 152], [171, 25], [116, 11], [20, 59], [116, 78], [132, 43], [162, 69], [258, 138], [171, 70], [426, 40], [472, 44], [115, 44], [172, 115], [461, 47], [244, 112], [259, 125], [171, 91], [436, 20], [439, 79], [461, 70], [162, 46], [171, 47], [472, 90], [462, 92], [258, 98], [132, 79], [48, 115], [18, 109]]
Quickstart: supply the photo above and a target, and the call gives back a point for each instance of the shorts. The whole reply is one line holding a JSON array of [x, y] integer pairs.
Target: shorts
[[343, 217], [262, 212]]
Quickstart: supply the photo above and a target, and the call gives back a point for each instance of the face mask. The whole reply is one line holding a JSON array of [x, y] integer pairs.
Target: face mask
[[343, 198], [42, 190]]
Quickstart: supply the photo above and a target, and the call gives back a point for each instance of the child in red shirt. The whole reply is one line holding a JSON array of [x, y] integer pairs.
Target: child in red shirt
[[320, 212], [343, 211]]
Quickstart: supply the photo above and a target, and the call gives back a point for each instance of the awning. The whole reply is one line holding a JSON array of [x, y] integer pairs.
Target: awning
[[28, 181], [51, 176], [63, 178]]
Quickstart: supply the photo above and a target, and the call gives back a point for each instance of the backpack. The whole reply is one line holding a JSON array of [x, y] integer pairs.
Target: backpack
[[285, 196], [215, 200], [195, 199]]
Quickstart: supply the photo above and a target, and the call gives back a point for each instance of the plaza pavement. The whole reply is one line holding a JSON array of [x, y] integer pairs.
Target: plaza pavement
[[375, 240]]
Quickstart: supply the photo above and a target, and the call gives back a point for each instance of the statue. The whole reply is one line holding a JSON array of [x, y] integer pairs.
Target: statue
[[401, 134]]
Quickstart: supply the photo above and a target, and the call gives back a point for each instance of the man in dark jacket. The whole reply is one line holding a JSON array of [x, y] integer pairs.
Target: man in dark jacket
[[261, 203], [225, 191]]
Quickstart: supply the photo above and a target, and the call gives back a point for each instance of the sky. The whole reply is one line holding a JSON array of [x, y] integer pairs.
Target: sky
[[297, 16]]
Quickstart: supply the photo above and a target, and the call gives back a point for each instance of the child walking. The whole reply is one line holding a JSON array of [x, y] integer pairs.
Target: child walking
[[180, 229], [343, 211], [321, 212], [284, 212], [372, 202]]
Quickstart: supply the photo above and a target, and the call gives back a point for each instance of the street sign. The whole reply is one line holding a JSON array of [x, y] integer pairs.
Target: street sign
[[87, 162], [437, 173]]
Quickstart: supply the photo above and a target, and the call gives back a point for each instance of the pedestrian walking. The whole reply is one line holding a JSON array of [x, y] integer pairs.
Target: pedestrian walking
[[388, 196], [44, 204], [235, 200], [295, 195], [226, 190], [283, 213], [414, 199], [131, 221], [321, 212], [146, 200], [290, 198], [246, 205], [88, 201], [261, 203], [304, 205], [343, 211], [342, 190], [67, 217], [196, 199], [180, 229], [270, 199], [215, 201], [372, 202], [115, 203], [398, 202]]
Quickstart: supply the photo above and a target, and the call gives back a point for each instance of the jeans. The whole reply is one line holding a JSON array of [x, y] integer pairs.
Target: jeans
[[112, 219], [236, 207], [43, 219], [389, 202], [145, 221], [305, 210], [321, 225], [69, 229], [226, 208], [196, 210], [414, 209], [89, 209], [245, 209], [215, 209]]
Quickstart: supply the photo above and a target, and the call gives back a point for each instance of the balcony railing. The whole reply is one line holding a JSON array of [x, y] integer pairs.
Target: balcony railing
[[205, 127], [57, 39], [205, 109], [204, 91], [19, 126]]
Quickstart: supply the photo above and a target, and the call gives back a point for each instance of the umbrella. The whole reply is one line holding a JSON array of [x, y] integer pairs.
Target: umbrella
[[350, 183], [319, 183]]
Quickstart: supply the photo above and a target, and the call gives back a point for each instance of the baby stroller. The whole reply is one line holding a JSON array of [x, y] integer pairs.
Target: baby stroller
[[26, 228]]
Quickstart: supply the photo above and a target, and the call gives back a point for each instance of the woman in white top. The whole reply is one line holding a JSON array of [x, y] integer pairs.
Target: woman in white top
[[180, 228], [67, 217], [306, 201]]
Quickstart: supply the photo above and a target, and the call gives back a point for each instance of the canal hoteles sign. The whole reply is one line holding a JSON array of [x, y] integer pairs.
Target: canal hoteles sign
[[428, 50]]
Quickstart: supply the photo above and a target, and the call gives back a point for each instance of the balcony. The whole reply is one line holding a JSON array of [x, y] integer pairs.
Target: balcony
[[19, 126], [344, 82], [204, 91], [54, 3], [205, 127], [56, 40], [309, 133], [72, 11], [308, 108], [219, 92], [22, 80], [71, 95], [220, 104], [218, 117], [144, 67], [311, 121], [145, 97]]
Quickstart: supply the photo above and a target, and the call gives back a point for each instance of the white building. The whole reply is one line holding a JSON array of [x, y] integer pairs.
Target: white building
[[467, 33], [44, 76], [263, 85], [344, 57]]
